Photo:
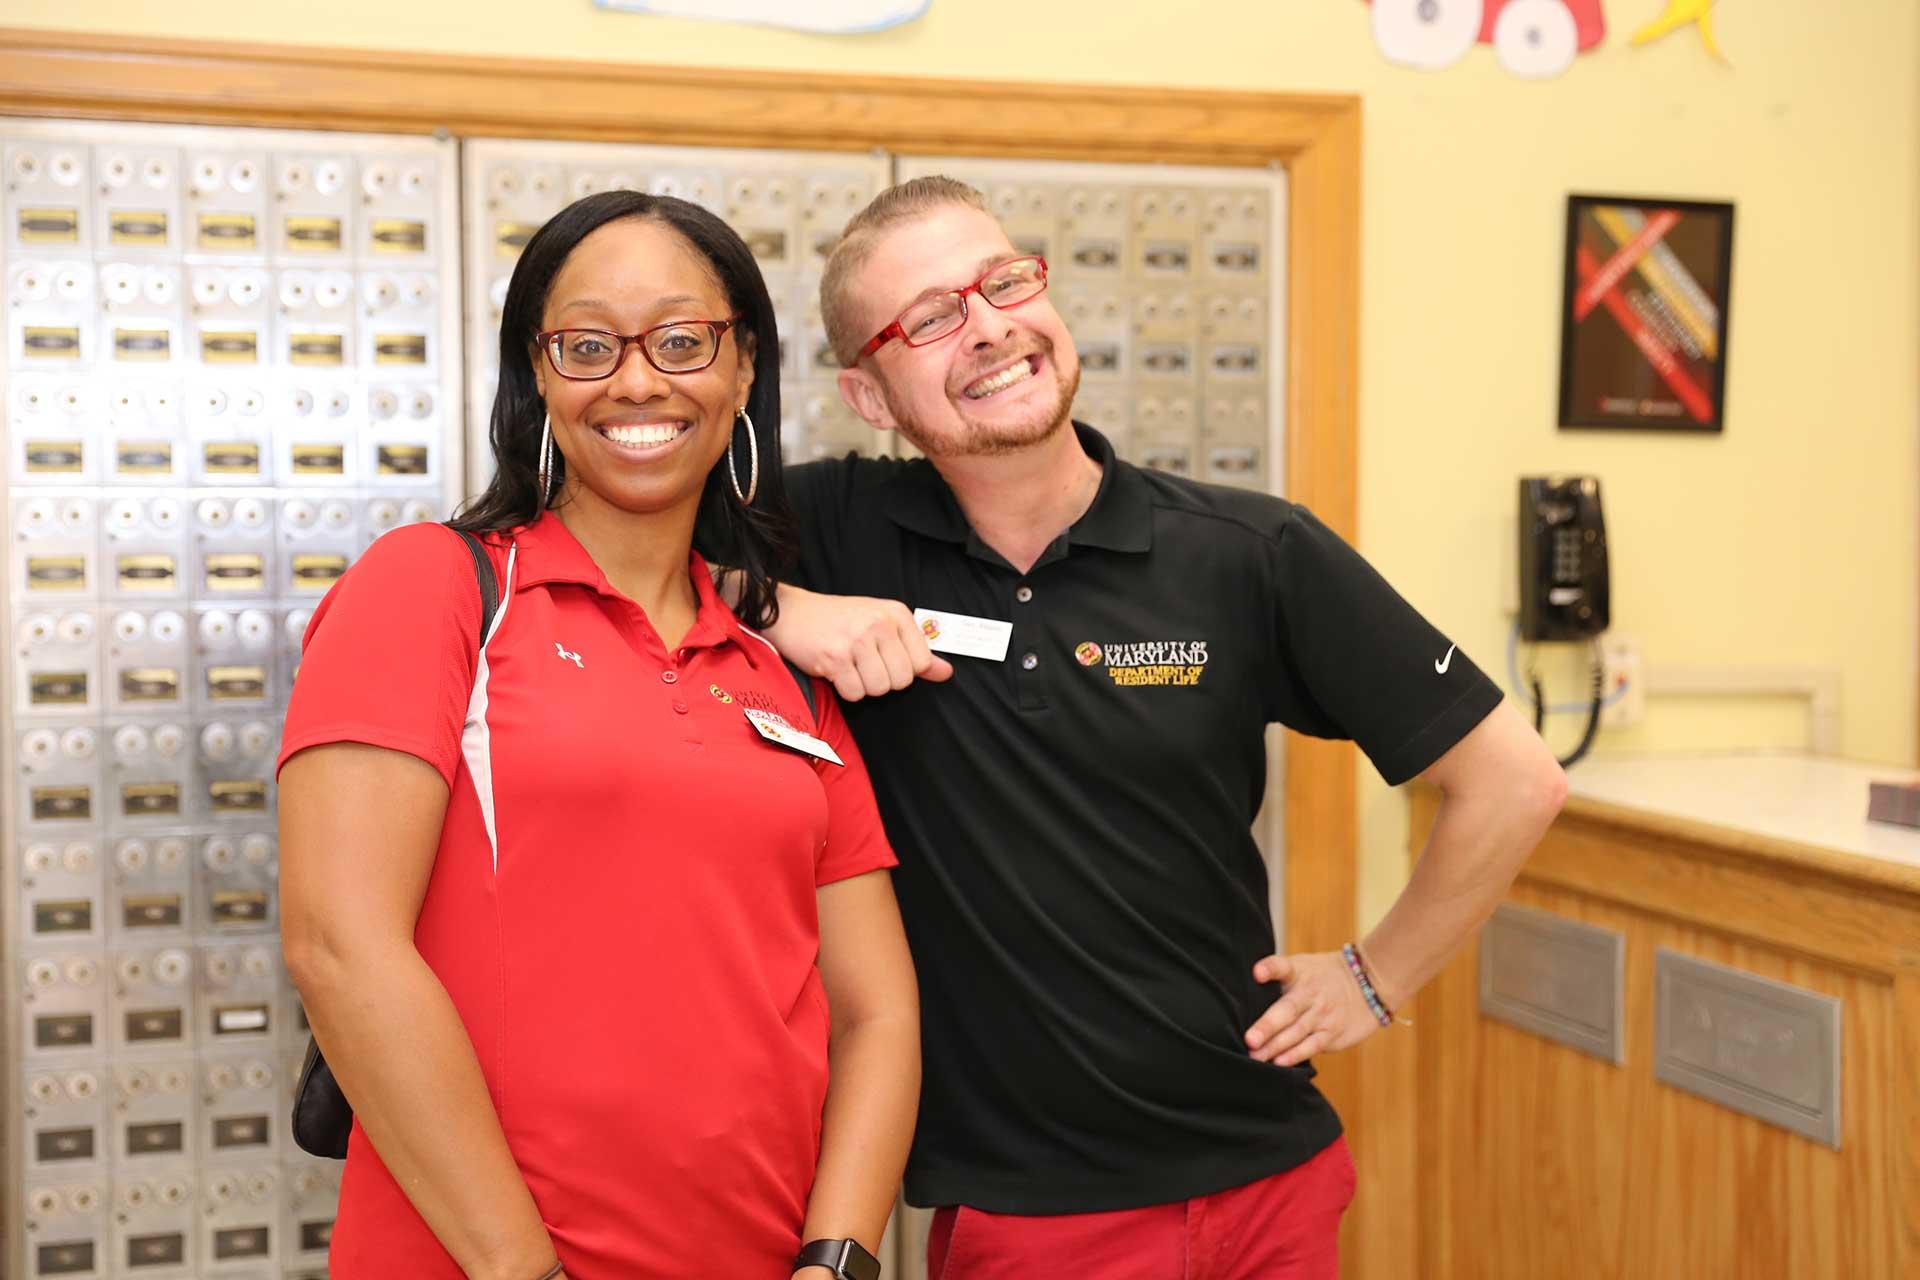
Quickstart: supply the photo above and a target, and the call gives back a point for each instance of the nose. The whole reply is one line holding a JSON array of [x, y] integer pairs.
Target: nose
[[985, 326], [636, 379]]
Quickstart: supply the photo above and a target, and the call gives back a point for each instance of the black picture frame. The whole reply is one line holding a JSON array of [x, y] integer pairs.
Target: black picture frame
[[1643, 316]]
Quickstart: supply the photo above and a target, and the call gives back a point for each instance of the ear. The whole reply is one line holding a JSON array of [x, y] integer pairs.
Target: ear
[[537, 360], [743, 367], [861, 391]]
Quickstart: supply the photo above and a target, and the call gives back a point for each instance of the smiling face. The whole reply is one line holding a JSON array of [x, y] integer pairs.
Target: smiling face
[[641, 441], [1004, 382]]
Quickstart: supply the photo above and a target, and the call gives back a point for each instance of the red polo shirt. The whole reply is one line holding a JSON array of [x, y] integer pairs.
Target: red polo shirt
[[622, 906]]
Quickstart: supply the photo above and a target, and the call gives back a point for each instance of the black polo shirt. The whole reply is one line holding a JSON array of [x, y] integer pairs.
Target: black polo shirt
[[1077, 871]]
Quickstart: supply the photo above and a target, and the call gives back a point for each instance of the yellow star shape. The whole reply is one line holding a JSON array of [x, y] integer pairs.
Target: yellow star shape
[[1682, 13]]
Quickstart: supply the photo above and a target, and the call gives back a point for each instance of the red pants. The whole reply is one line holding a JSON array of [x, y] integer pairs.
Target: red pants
[[1281, 1228]]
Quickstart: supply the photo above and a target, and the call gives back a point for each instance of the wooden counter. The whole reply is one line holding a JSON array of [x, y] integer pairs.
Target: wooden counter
[[1489, 1152]]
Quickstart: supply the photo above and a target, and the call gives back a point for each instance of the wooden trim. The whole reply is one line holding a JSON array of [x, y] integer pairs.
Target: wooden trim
[[1840, 920], [1315, 137], [201, 82], [1787, 855], [1381, 1237], [1905, 1130]]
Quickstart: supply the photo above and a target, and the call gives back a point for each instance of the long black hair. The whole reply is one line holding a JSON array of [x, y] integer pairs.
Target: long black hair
[[755, 541]]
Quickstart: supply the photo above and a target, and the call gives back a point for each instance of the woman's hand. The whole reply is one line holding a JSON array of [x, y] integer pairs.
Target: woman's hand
[[1320, 1009]]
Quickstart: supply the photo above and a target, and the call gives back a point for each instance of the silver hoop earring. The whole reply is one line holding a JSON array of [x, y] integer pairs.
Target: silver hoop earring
[[753, 451], [546, 462]]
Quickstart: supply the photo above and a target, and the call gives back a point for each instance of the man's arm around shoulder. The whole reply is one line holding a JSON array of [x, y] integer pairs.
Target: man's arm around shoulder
[[863, 645]]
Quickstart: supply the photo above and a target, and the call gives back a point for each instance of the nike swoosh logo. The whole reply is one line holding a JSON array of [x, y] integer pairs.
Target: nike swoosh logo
[[1441, 664]]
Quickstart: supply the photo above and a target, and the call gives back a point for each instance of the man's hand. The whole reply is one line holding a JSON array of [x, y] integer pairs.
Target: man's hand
[[1320, 1009], [864, 646]]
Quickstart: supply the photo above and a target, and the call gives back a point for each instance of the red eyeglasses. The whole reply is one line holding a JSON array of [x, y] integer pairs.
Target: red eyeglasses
[[588, 355], [944, 314]]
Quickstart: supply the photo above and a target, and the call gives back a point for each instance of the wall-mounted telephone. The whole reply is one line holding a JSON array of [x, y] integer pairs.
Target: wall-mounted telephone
[[1564, 593], [1563, 559]]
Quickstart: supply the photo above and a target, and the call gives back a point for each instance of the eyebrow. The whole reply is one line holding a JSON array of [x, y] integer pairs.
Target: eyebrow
[[980, 268], [596, 304]]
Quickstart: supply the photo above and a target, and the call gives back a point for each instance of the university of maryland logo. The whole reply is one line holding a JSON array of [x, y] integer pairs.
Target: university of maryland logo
[[720, 693], [932, 627], [1146, 662]]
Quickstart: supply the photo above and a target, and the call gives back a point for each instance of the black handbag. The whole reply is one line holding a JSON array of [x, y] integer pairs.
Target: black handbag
[[322, 1116]]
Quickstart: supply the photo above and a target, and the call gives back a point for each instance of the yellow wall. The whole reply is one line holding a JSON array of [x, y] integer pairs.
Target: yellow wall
[[1792, 539]]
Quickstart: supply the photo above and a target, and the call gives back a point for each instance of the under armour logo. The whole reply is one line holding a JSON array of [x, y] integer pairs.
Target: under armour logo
[[574, 658]]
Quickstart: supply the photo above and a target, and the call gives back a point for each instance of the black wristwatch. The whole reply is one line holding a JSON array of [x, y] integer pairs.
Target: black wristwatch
[[845, 1258]]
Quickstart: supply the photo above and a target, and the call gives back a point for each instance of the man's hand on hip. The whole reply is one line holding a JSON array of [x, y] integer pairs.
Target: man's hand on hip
[[1320, 1009]]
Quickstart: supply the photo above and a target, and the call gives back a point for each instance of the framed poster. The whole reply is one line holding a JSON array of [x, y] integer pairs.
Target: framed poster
[[1643, 318]]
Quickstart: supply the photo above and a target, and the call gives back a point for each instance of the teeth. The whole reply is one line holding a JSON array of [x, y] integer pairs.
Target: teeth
[[655, 433], [1020, 371]]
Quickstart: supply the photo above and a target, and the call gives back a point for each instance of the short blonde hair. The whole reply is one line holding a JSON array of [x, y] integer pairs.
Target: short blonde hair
[[897, 204]]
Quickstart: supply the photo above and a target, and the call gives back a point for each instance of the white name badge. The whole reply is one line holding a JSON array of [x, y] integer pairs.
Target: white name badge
[[775, 729], [963, 634]]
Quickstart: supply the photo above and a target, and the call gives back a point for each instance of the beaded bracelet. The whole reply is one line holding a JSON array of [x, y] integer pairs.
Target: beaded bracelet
[[1359, 971]]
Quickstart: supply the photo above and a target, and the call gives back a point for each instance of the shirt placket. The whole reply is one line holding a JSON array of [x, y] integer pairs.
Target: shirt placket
[[689, 677], [1025, 651], [672, 668]]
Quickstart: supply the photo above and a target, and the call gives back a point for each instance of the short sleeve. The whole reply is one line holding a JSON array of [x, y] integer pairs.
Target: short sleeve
[[389, 657], [822, 495], [1357, 661], [856, 841]]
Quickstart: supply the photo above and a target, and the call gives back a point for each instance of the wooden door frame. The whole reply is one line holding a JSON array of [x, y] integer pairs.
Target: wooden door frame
[[1315, 138]]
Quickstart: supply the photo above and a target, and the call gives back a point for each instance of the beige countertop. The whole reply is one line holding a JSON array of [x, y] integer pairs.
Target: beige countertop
[[1792, 807]]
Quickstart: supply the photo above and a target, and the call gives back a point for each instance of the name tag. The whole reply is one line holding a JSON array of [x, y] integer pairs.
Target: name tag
[[775, 729], [960, 633]]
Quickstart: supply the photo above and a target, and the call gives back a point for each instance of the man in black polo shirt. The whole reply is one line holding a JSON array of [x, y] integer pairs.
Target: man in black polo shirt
[[1112, 1089]]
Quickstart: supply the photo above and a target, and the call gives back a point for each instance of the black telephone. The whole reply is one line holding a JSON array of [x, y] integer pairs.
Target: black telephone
[[1563, 559], [1564, 593]]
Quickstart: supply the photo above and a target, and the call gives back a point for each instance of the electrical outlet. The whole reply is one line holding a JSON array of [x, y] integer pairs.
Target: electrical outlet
[[1622, 686]]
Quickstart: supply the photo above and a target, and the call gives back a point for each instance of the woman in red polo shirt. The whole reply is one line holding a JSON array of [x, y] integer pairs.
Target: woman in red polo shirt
[[593, 921]]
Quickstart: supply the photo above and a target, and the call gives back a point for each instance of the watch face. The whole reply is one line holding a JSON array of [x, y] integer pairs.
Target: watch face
[[845, 1258], [860, 1264]]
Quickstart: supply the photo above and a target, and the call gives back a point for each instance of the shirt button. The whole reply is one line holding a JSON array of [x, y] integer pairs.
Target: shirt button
[[669, 676], [1023, 593], [1028, 661], [679, 706]]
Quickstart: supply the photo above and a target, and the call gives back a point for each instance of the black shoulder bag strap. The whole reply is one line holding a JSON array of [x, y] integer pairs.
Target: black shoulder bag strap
[[322, 1116], [805, 682]]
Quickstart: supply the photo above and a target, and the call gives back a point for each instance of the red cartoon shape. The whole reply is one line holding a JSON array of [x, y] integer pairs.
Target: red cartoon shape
[[1533, 38]]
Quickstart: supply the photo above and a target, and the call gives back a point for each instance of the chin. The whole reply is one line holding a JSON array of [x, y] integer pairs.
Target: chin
[[645, 499], [968, 438]]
